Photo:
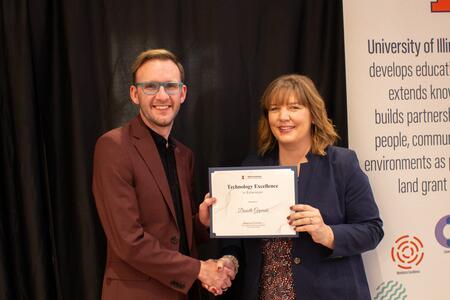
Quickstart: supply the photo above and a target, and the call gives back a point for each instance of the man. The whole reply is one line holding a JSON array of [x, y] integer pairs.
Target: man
[[142, 184]]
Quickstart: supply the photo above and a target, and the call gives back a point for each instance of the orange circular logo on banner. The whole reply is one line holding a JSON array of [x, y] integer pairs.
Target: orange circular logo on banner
[[407, 252]]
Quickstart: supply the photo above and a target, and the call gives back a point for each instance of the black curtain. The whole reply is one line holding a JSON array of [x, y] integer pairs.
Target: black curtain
[[65, 76]]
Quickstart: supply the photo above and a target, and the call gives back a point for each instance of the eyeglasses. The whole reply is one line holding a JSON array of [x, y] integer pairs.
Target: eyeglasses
[[152, 87]]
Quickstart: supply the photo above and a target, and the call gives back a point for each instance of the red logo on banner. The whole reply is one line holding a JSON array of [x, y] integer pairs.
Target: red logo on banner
[[407, 252], [440, 6]]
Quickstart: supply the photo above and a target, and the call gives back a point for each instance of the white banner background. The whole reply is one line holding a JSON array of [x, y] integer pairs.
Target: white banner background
[[398, 96]]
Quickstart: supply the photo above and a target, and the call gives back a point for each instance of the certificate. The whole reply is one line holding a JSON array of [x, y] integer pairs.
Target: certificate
[[252, 202]]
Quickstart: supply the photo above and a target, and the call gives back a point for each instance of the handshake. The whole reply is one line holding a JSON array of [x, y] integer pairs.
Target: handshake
[[216, 275]]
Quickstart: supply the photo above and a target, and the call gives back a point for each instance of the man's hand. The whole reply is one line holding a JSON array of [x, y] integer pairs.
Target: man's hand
[[203, 211], [214, 278]]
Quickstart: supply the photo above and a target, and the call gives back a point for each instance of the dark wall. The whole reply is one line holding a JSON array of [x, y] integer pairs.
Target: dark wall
[[64, 68]]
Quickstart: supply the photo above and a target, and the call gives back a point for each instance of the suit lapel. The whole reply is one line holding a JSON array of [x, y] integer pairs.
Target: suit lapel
[[184, 192], [147, 150]]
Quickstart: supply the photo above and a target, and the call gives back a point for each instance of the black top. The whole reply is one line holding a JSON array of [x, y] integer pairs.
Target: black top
[[166, 153]]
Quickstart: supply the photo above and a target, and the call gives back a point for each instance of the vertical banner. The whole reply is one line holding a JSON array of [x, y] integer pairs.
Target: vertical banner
[[398, 89]]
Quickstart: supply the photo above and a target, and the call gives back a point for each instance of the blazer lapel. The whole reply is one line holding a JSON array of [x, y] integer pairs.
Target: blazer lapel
[[147, 150], [306, 172], [185, 195]]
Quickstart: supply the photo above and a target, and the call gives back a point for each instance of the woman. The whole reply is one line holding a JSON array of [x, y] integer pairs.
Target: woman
[[337, 217]]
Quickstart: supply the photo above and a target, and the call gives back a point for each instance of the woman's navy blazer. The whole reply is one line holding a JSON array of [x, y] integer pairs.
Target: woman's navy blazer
[[336, 185]]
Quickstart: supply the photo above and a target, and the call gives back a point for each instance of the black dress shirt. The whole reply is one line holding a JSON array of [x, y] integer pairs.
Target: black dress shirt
[[166, 153]]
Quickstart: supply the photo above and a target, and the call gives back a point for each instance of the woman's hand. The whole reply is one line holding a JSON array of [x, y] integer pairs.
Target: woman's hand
[[306, 218]]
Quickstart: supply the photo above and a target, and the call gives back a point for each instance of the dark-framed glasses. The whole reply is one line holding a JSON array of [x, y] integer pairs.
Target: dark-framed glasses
[[152, 87]]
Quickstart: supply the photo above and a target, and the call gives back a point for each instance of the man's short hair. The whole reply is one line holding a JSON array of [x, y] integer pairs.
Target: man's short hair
[[161, 54]]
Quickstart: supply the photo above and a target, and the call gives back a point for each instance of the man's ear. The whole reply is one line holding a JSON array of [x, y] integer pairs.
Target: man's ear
[[134, 94], [183, 93]]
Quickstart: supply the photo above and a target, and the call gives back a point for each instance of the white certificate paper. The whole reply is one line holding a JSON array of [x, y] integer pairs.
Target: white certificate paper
[[252, 202]]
